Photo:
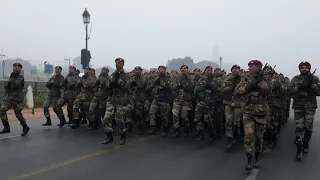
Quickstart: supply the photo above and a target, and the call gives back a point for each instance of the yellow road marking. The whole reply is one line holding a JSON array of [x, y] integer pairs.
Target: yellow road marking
[[71, 161]]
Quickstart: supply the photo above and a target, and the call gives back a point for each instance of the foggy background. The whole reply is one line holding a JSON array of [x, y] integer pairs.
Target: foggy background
[[149, 33]]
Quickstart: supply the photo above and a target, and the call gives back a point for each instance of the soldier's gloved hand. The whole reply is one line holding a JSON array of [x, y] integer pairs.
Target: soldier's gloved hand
[[157, 82]]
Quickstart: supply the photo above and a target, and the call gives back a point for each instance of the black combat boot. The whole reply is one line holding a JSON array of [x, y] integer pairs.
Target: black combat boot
[[129, 126], [76, 124], [186, 131], [305, 141], [257, 160], [305, 147], [250, 164], [165, 131], [273, 140], [212, 135], [62, 121], [48, 122], [123, 138], [92, 126], [230, 144], [176, 133], [70, 120], [153, 130], [6, 128], [200, 136], [109, 138], [25, 129], [84, 120], [140, 129], [299, 152]]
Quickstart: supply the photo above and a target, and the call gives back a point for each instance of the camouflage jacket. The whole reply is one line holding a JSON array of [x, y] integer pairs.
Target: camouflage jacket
[[304, 98], [182, 88], [102, 85], [206, 89], [256, 89], [54, 85], [138, 84], [276, 93], [68, 86], [161, 88], [119, 85], [228, 88], [86, 84], [14, 87]]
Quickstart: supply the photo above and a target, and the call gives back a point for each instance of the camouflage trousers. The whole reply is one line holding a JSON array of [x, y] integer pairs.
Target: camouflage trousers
[[217, 112], [182, 109], [304, 124], [273, 123], [160, 110], [61, 102], [130, 111], [49, 101], [254, 127], [233, 116], [81, 106], [117, 112], [17, 108], [203, 109], [141, 111], [97, 108]]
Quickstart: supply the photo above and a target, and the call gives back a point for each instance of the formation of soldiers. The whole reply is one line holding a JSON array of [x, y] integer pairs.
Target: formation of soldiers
[[251, 105]]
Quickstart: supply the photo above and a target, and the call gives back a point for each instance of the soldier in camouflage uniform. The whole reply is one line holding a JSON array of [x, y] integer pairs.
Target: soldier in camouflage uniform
[[255, 112], [68, 95], [83, 99], [232, 105], [138, 84], [160, 104], [218, 105], [98, 103], [53, 95], [117, 103], [195, 78], [182, 87], [274, 103], [204, 91], [14, 99], [303, 89]]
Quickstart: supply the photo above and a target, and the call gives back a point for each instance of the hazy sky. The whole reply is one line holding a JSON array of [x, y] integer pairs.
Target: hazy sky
[[148, 32]]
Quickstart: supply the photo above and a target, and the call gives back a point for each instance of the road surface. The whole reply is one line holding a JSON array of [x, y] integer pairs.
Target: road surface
[[51, 153]]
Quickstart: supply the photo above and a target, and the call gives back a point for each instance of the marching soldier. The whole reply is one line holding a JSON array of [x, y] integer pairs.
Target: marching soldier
[[53, 95], [303, 89], [255, 112], [117, 103], [68, 95], [14, 99], [232, 105], [182, 88]]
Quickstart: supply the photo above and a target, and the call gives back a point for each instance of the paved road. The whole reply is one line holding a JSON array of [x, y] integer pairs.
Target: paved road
[[52, 153]]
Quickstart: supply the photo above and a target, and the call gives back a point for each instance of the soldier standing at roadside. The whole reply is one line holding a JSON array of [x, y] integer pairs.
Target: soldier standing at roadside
[[53, 95], [14, 99]]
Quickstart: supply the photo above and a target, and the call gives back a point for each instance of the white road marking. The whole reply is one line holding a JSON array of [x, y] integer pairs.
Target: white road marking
[[253, 174], [10, 137]]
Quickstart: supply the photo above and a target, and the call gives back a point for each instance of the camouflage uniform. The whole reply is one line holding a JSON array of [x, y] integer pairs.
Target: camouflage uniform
[[117, 105], [52, 97], [255, 114], [232, 105], [182, 87], [217, 111], [160, 104], [83, 99], [204, 92], [304, 106], [98, 103], [140, 100], [14, 99], [68, 95], [274, 103]]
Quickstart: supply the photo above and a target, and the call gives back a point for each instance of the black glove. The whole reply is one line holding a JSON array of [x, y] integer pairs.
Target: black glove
[[157, 82], [133, 84]]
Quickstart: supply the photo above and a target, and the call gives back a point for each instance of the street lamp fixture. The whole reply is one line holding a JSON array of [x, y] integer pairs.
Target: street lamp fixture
[[86, 17]]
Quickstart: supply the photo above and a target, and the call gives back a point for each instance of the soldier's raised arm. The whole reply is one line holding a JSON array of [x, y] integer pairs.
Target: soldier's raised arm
[[200, 85], [265, 86], [315, 87], [294, 86], [227, 85], [123, 81]]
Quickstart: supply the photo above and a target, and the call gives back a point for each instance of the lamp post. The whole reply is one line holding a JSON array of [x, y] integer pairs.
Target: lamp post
[[3, 63], [220, 62], [86, 21], [69, 60]]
